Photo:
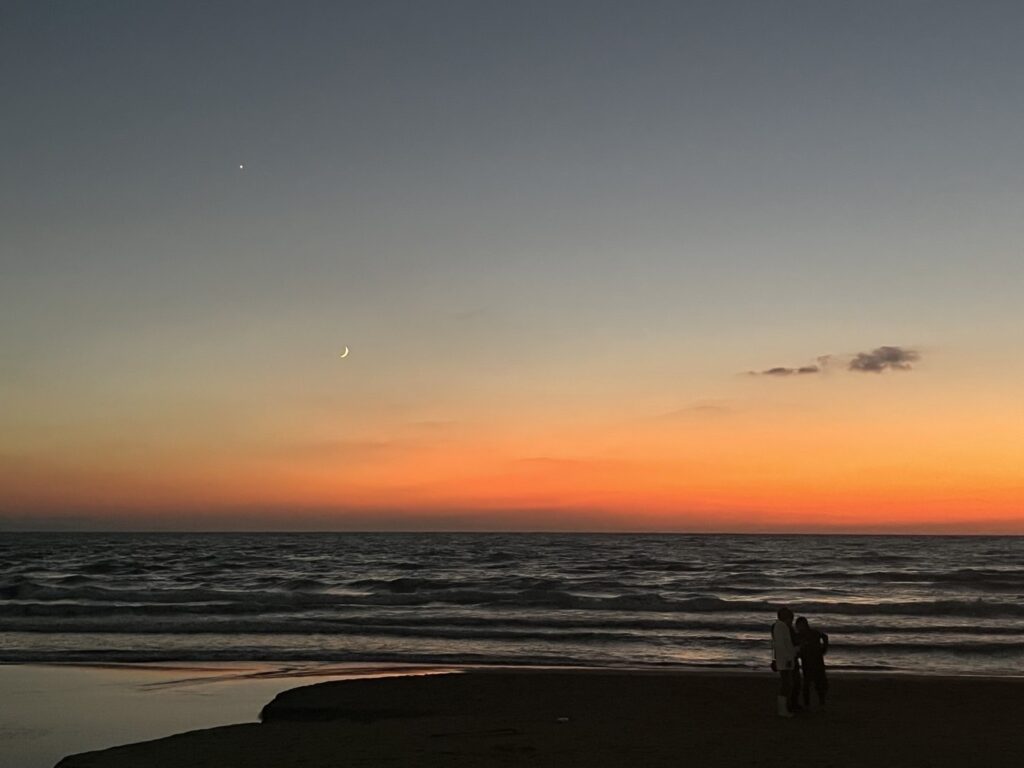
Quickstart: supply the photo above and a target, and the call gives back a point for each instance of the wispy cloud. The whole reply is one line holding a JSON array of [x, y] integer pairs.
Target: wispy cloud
[[701, 409], [340, 450], [783, 371]]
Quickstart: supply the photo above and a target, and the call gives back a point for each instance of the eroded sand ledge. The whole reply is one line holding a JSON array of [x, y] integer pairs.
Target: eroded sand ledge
[[630, 719]]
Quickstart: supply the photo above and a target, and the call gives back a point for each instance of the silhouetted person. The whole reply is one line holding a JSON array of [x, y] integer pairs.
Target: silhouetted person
[[798, 677], [813, 645], [784, 658]]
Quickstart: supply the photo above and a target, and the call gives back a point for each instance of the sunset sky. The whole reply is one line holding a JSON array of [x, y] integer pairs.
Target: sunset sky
[[563, 241]]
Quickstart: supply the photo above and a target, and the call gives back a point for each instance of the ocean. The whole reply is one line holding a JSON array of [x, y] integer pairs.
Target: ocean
[[932, 605]]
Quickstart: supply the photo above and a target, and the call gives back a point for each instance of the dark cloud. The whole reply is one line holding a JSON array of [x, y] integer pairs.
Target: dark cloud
[[875, 361], [781, 371], [882, 358]]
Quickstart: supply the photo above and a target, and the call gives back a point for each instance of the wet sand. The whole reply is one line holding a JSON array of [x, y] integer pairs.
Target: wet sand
[[51, 710], [567, 718]]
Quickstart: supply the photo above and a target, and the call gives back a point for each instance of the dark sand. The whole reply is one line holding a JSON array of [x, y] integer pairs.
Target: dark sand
[[636, 720], [51, 710]]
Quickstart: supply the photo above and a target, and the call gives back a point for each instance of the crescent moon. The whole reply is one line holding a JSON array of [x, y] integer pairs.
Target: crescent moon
[[345, 353]]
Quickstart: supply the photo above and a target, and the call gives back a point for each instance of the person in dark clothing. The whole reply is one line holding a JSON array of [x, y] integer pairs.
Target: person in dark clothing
[[798, 676], [812, 646]]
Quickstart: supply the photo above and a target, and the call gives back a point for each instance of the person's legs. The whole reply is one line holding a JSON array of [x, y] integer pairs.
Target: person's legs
[[821, 685], [815, 674], [785, 682], [794, 691], [785, 687]]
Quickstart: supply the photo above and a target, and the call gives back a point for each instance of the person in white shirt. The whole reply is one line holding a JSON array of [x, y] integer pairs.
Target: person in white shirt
[[784, 652]]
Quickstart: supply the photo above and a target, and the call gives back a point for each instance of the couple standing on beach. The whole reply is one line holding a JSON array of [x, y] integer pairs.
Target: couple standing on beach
[[793, 648]]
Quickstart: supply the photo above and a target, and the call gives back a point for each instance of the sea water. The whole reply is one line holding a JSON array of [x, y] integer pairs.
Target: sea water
[[933, 605]]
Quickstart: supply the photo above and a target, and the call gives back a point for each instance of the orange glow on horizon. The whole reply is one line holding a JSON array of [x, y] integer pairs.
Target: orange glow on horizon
[[756, 471]]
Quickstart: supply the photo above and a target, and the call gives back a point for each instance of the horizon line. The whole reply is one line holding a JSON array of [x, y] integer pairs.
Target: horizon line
[[464, 532]]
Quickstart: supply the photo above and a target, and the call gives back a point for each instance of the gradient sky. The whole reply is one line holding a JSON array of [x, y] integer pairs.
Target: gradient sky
[[557, 238]]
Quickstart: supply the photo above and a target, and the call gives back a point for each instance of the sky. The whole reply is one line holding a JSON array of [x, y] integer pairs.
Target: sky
[[579, 253]]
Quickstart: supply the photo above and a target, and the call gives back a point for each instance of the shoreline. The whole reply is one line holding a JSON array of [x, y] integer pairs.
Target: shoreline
[[271, 668], [555, 716]]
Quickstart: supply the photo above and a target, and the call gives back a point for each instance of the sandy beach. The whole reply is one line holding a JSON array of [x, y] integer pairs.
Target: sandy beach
[[559, 718]]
